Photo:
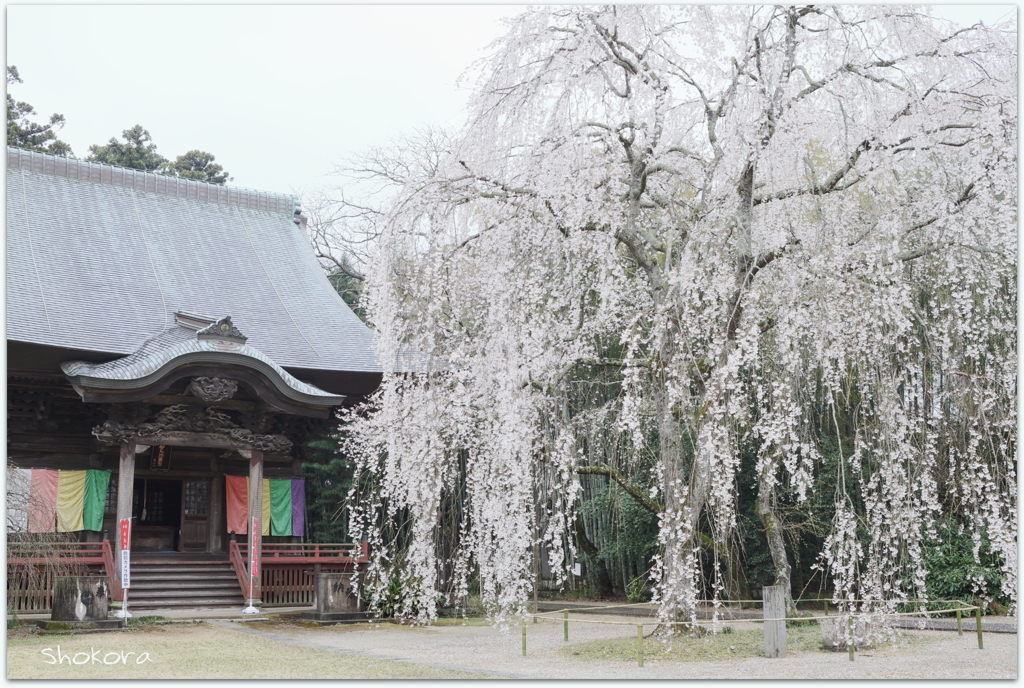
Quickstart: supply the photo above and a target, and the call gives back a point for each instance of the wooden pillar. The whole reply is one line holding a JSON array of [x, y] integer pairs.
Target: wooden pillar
[[256, 512], [125, 492], [216, 524]]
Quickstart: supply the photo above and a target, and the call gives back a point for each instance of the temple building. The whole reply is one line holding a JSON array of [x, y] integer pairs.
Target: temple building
[[170, 345]]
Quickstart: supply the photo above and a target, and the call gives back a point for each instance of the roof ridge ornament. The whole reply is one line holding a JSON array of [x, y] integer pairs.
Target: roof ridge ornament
[[222, 330]]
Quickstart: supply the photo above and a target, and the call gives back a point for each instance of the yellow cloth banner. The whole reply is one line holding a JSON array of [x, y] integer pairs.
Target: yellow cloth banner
[[264, 505], [265, 523], [70, 501]]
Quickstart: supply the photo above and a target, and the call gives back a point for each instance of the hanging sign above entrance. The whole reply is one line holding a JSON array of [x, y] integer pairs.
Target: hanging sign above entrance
[[160, 459]]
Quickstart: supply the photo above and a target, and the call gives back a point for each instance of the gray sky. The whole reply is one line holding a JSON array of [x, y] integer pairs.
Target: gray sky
[[277, 93]]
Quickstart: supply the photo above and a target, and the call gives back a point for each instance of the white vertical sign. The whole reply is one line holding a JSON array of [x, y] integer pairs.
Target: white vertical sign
[[125, 569]]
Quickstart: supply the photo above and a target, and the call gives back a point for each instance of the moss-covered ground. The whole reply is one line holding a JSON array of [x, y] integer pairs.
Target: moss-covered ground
[[729, 643]]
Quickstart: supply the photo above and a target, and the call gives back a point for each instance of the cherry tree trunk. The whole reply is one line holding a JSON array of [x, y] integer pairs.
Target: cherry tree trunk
[[776, 545]]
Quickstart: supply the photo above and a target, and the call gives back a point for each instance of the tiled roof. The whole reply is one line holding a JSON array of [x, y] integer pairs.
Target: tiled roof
[[180, 343], [100, 258]]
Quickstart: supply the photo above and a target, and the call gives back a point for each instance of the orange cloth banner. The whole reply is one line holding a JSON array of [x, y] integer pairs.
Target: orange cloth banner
[[236, 487]]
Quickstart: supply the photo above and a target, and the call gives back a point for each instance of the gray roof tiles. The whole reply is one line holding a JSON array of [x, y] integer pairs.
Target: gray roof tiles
[[100, 258]]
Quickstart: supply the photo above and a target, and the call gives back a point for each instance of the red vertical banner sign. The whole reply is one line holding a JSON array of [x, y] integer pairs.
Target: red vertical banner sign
[[125, 528], [254, 548]]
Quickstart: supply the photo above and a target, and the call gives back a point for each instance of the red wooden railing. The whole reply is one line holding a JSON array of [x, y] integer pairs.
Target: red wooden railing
[[288, 576], [116, 593], [69, 553], [241, 573], [289, 570], [308, 552], [94, 555]]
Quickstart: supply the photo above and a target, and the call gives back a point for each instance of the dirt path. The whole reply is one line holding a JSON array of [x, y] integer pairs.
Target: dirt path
[[318, 640], [479, 649]]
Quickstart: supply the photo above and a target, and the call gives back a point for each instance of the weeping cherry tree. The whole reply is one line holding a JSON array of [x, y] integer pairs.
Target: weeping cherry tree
[[789, 220]]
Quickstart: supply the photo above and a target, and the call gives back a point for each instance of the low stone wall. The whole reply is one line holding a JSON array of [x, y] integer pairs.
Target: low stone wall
[[834, 634]]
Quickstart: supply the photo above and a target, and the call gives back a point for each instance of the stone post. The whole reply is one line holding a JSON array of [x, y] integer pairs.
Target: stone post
[[774, 597]]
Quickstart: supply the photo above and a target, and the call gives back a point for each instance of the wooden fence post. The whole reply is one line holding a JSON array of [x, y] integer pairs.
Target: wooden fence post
[[774, 631]]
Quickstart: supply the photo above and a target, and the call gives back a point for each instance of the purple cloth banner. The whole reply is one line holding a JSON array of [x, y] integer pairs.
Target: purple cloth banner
[[298, 507]]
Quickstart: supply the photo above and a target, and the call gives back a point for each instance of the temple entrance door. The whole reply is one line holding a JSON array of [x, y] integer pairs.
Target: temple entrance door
[[195, 515], [156, 507]]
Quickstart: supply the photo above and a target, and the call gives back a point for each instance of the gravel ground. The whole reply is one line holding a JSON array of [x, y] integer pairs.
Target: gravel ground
[[989, 624], [485, 649]]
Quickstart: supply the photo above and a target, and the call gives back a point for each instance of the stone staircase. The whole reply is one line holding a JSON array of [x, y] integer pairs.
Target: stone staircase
[[183, 584]]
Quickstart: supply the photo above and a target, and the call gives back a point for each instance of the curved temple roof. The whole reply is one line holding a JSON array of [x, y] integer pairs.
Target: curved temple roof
[[100, 258], [185, 344]]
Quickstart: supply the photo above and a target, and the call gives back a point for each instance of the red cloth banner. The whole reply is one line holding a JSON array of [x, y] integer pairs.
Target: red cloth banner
[[237, 503], [42, 502]]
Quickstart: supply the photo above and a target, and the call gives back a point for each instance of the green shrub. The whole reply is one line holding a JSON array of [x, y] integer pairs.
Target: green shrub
[[396, 599], [637, 591], [952, 570]]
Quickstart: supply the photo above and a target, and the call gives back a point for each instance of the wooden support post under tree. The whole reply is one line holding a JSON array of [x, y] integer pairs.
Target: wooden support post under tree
[[977, 615], [851, 641], [640, 644], [774, 631], [255, 457]]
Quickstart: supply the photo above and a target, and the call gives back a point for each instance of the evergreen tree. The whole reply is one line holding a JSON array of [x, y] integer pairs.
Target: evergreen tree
[[199, 166], [328, 476], [23, 133], [137, 152]]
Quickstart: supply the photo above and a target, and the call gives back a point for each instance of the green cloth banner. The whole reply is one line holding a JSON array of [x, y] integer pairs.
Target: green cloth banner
[[95, 499], [280, 507]]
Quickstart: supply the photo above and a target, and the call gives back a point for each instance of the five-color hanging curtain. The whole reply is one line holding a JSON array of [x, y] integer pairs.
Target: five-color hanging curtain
[[41, 500], [284, 506]]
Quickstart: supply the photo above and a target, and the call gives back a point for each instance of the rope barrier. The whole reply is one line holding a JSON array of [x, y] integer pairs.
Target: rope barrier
[[543, 616], [796, 601], [694, 622]]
